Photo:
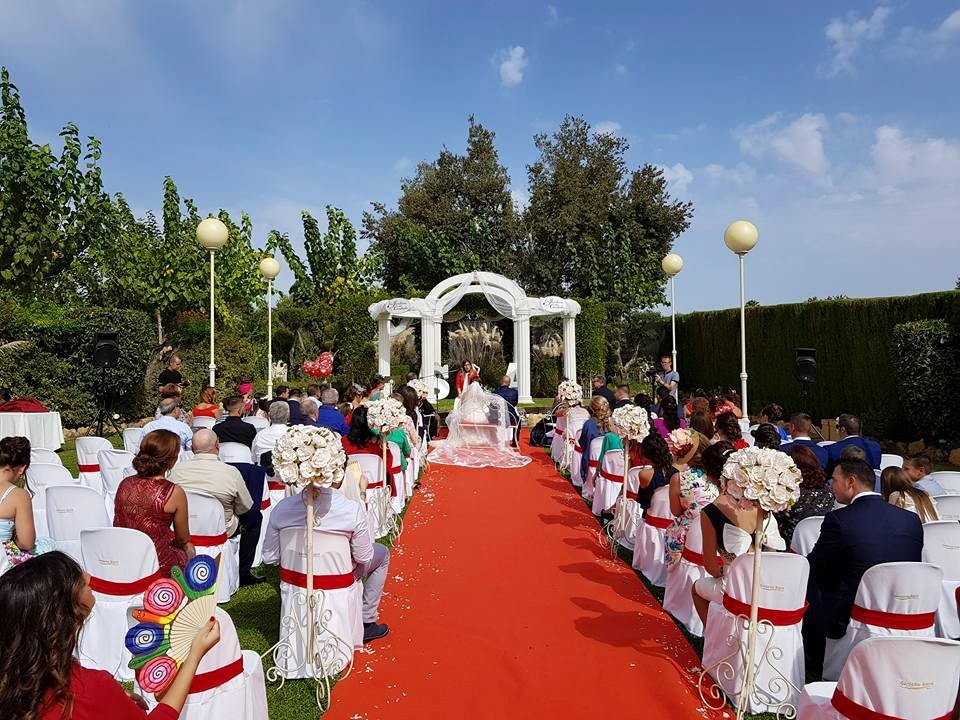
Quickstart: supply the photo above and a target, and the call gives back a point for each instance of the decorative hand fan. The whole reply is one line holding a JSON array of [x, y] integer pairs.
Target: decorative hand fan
[[174, 611]]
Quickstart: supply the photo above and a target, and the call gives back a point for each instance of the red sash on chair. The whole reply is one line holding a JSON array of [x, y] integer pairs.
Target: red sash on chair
[[658, 522], [631, 496], [265, 503], [274, 485], [607, 475], [594, 463], [778, 618], [88, 468], [849, 709], [119, 589], [215, 678], [892, 620], [320, 582]]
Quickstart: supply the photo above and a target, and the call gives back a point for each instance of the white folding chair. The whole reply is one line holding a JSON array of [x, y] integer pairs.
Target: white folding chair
[[898, 598], [131, 439], [824, 443], [556, 445], [208, 533], [122, 564], [948, 507], [576, 460], [588, 482], [115, 465], [70, 510], [42, 455], [398, 494], [378, 494], [649, 545], [235, 452], [678, 597], [631, 508], [202, 422], [608, 482], [341, 594], [87, 449], [571, 433], [746, 431], [949, 481], [889, 677], [782, 602], [40, 476], [890, 460], [806, 534], [229, 682], [941, 547], [258, 422]]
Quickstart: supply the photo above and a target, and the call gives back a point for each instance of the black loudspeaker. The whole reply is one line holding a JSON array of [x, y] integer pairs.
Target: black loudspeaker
[[805, 365], [106, 350]]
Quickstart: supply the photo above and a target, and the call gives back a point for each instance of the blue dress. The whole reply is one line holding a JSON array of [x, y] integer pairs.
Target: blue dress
[[588, 433]]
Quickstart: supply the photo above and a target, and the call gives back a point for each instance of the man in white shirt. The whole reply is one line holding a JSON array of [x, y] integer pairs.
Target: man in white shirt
[[167, 421], [266, 439], [335, 513], [206, 473]]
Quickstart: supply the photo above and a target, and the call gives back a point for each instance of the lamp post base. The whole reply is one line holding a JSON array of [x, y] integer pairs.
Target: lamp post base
[[213, 375]]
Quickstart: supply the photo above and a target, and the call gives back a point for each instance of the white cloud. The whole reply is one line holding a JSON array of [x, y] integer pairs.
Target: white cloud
[[798, 144], [847, 36], [678, 176], [512, 62], [520, 199], [606, 127], [620, 69], [553, 15], [933, 44], [402, 165], [899, 159], [739, 175], [684, 132]]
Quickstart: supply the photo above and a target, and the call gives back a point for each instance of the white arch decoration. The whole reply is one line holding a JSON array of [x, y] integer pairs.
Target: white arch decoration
[[506, 297]]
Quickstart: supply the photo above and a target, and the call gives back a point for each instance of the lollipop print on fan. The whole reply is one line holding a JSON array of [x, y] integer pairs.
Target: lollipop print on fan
[[174, 610]]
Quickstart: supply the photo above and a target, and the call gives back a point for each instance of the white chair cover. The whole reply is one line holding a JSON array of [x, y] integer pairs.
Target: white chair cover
[[71, 509], [202, 422], [941, 547], [342, 597], [208, 534], [948, 507], [39, 477], [87, 449], [649, 547], [588, 482], [131, 439], [412, 473], [42, 455], [608, 483], [806, 534], [575, 459], [783, 587], [891, 597], [258, 422], [122, 564], [824, 443], [949, 481], [890, 460], [631, 509], [115, 465], [266, 506], [378, 494], [233, 678], [556, 445], [235, 452], [397, 501], [746, 431], [572, 432], [678, 597], [891, 677]]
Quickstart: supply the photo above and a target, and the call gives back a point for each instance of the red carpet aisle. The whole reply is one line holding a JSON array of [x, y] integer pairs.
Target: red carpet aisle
[[502, 606]]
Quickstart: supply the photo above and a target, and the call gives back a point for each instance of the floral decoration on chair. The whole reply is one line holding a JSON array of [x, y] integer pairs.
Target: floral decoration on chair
[[307, 455]]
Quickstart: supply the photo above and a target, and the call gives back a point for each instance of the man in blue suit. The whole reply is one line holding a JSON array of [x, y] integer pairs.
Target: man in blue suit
[[849, 429], [867, 532], [511, 396], [800, 427]]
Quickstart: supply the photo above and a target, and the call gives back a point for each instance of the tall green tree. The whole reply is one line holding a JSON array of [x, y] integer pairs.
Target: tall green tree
[[592, 227], [51, 208], [455, 214]]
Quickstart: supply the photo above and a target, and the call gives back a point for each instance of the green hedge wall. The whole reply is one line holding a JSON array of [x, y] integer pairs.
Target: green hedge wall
[[853, 338], [591, 338], [926, 360]]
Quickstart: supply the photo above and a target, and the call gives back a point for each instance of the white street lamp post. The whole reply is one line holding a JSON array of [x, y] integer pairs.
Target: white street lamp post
[[741, 236], [212, 234], [269, 268], [672, 264]]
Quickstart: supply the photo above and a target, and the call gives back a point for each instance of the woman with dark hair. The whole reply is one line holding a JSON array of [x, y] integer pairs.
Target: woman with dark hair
[[766, 435], [816, 498], [39, 678], [375, 388], [669, 419], [659, 471], [18, 536], [701, 424], [690, 492], [208, 405], [644, 400], [361, 439], [150, 503], [898, 489], [728, 428], [465, 375], [773, 414]]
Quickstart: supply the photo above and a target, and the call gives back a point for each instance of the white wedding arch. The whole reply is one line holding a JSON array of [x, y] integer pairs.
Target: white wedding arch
[[503, 294]]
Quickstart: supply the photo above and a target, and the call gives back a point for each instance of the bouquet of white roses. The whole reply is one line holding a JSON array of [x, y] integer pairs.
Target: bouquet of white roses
[[569, 392], [631, 422], [420, 386], [307, 455], [385, 414], [766, 477]]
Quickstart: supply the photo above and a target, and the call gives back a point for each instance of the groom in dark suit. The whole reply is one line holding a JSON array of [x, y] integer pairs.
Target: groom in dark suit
[[512, 398], [849, 428], [800, 426], [867, 532]]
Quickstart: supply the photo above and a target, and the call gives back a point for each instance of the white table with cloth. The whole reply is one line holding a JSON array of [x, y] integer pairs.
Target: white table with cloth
[[44, 430]]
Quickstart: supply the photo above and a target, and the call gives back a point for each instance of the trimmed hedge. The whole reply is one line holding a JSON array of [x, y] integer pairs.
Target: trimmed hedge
[[591, 339], [926, 358], [853, 338]]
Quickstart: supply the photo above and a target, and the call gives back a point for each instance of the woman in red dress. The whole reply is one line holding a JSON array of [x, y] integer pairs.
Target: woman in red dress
[[466, 375], [148, 502], [39, 678], [208, 405], [362, 440]]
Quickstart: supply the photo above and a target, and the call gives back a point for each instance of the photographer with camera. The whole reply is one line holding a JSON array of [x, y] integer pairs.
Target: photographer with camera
[[667, 377]]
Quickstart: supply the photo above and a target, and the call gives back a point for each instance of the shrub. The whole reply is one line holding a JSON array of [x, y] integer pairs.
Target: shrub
[[545, 376], [925, 358], [591, 339]]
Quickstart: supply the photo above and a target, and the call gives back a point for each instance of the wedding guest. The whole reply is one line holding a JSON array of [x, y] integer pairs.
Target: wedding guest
[[600, 388], [667, 377], [773, 414], [720, 404], [898, 489], [815, 497], [18, 537], [362, 440], [848, 426], [345, 408], [621, 396], [644, 400], [854, 538], [669, 419], [595, 426], [327, 415], [375, 388], [428, 413], [698, 402], [767, 435], [245, 391], [208, 405], [853, 452], [511, 397], [150, 503], [171, 391], [690, 491], [702, 425], [664, 401], [233, 428], [168, 421], [294, 402], [800, 427], [401, 436], [919, 468], [281, 392], [265, 440], [658, 472], [40, 678], [335, 513], [411, 404], [309, 411], [728, 428]]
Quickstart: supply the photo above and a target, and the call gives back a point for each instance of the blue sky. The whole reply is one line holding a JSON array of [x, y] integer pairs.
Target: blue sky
[[835, 127]]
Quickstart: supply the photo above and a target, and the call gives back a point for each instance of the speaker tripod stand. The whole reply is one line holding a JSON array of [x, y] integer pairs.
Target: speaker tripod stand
[[104, 395]]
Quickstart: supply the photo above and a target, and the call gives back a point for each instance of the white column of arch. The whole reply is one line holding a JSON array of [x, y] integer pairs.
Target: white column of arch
[[429, 353], [383, 345], [521, 355], [570, 347]]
